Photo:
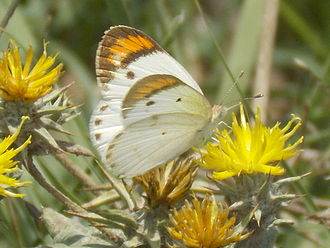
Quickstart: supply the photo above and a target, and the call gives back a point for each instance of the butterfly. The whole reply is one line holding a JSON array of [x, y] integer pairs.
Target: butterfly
[[151, 109]]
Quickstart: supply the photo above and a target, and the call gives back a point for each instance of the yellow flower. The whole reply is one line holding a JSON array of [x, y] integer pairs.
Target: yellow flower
[[252, 149], [21, 83], [168, 184], [7, 165], [204, 225]]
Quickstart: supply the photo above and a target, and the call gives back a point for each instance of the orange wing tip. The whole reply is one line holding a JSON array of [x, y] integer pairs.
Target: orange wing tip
[[119, 47]]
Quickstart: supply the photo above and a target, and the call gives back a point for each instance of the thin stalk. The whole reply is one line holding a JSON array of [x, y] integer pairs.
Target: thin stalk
[[264, 64], [10, 11], [304, 30], [30, 166], [33, 170], [84, 178], [119, 186], [216, 44]]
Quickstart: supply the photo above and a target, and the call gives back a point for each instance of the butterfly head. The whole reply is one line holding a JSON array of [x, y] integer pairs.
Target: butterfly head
[[218, 111]]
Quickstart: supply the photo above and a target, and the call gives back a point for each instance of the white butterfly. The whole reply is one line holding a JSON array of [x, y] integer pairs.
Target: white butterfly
[[151, 109]]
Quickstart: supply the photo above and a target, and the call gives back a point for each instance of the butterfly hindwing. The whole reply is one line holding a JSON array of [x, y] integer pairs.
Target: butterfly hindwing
[[163, 94], [151, 142], [162, 118]]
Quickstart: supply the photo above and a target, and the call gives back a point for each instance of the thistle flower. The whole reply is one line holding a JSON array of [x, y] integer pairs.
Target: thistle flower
[[8, 166], [252, 149], [21, 83], [26, 91], [206, 224], [168, 184]]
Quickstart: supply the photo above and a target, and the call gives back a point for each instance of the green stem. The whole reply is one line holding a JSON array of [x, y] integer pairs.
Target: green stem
[[33, 170], [75, 170], [10, 11], [302, 28], [216, 44]]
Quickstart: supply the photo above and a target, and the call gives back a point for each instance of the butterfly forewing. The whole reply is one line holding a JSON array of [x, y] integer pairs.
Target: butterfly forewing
[[126, 54]]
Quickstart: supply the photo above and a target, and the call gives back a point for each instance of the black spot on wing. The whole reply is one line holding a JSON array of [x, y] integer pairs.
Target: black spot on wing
[[104, 107], [130, 75], [150, 103], [97, 122], [179, 99]]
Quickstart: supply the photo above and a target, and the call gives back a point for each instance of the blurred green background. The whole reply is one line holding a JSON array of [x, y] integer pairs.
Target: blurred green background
[[299, 84]]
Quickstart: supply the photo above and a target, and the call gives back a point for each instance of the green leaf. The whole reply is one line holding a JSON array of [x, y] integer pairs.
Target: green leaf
[[70, 232]]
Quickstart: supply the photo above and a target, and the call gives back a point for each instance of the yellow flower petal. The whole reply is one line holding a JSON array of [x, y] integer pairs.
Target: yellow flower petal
[[7, 165], [203, 224], [169, 183], [26, 84], [250, 149]]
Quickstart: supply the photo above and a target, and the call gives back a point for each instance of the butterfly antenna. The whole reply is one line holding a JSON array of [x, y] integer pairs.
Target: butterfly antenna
[[234, 85], [245, 99]]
